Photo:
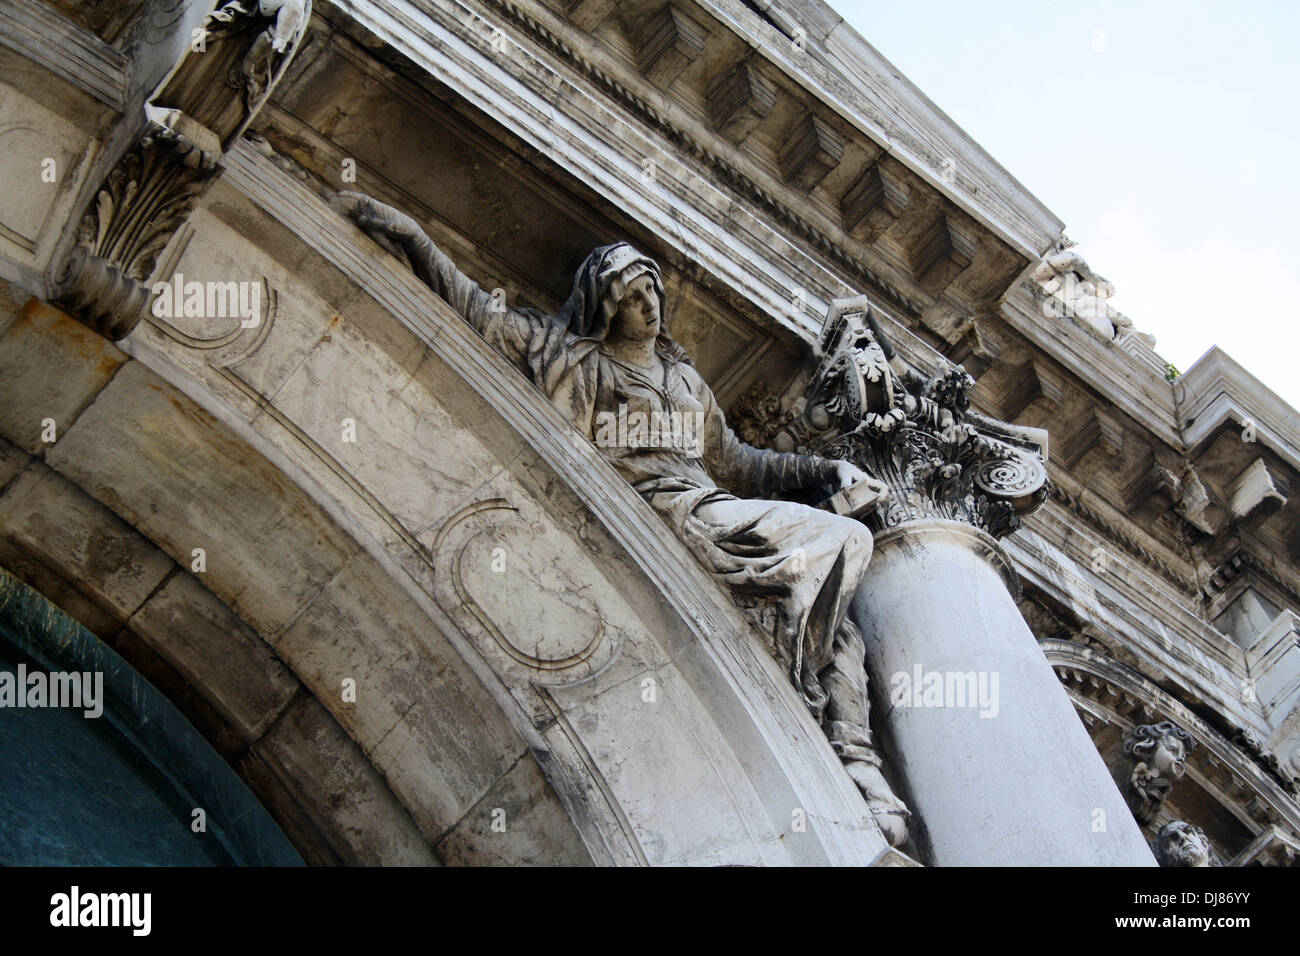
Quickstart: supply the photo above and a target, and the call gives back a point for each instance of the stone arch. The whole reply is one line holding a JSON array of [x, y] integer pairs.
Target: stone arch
[[330, 555], [1230, 797]]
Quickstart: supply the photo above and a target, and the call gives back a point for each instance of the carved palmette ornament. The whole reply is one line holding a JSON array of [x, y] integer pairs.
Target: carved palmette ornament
[[916, 433], [202, 107]]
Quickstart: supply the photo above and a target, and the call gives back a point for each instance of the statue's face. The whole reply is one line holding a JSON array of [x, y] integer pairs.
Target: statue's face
[[1169, 757], [1184, 845], [637, 316]]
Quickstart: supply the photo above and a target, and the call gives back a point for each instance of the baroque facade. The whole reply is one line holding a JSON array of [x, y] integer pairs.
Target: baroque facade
[[300, 312]]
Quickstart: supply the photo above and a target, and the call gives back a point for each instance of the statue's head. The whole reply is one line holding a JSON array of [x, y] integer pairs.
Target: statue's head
[[1163, 747], [1181, 844], [633, 296], [619, 292]]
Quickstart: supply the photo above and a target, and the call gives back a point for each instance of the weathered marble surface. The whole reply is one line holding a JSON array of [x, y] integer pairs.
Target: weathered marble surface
[[1014, 765]]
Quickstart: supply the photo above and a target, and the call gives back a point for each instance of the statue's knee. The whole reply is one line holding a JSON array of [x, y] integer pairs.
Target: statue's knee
[[857, 538]]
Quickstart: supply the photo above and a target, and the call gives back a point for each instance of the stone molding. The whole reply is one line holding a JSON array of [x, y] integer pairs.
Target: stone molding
[[45, 37], [1103, 688], [726, 171], [861, 85]]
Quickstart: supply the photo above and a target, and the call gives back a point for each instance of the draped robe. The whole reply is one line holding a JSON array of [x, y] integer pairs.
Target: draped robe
[[806, 560]]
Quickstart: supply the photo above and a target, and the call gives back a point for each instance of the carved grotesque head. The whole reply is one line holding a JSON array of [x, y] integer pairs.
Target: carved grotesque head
[[1181, 844]]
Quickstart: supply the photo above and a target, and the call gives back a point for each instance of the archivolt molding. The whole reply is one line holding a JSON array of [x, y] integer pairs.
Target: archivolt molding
[[728, 668], [246, 340], [472, 552], [1104, 689]]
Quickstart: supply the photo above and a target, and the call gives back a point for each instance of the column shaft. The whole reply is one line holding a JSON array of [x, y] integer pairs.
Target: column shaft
[[998, 767]]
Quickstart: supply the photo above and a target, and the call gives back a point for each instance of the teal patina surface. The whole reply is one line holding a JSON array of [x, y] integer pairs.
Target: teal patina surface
[[119, 789]]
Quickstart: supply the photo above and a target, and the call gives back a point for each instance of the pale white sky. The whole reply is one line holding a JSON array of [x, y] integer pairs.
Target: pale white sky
[[1164, 134]]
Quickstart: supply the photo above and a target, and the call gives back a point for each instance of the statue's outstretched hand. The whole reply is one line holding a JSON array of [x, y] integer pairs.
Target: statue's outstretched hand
[[381, 221]]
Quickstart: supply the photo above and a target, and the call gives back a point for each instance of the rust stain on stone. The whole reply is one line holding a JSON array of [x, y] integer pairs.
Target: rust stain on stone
[[51, 322]]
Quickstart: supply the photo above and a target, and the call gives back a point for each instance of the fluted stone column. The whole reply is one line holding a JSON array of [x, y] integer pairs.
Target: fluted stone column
[[992, 758]]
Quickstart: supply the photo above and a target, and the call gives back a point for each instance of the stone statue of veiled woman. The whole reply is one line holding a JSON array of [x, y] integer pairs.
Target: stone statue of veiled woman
[[606, 357]]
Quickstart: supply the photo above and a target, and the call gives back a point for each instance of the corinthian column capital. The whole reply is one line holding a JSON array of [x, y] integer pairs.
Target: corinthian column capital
[[915, 431]]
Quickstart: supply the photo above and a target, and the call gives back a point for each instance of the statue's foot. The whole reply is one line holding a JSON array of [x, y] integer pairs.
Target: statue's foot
[[890, 813]]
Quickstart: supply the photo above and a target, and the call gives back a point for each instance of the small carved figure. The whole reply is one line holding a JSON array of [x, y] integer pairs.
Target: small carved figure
[[1070, 281], [269, 51], [606, 357], [1160, 754]]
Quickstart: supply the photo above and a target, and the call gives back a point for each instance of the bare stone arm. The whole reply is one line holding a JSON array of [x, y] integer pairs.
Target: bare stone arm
[[506, 330]]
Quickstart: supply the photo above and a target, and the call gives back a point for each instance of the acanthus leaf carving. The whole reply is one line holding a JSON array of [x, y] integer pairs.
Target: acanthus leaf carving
[[202, 107], [915, 432]]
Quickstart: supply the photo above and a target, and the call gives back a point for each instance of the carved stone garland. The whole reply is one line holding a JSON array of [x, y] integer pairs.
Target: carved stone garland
[[204, 105]]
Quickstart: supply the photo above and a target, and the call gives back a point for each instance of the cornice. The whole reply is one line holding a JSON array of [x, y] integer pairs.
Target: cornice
[[1118, 535], [43, 36], [727, 172], [1217, 390], [1124, 380], [872, 94]]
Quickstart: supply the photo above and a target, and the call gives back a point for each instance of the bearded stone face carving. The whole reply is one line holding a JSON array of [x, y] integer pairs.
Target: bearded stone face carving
[[1181, 844], [915, 432]]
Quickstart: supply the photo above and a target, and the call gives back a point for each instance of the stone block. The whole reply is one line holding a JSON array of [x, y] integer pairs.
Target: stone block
[[217, 652], [419, 712], [168, 467], [12, 460], [307, 765], [190, 700], [813, 150], [410, 446], [1254, 494], [519, 822], [671, 42], [51, 367], [86, 543]]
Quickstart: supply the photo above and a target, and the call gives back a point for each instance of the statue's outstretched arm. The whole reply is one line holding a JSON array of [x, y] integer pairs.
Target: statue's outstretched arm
[[393, 228]]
